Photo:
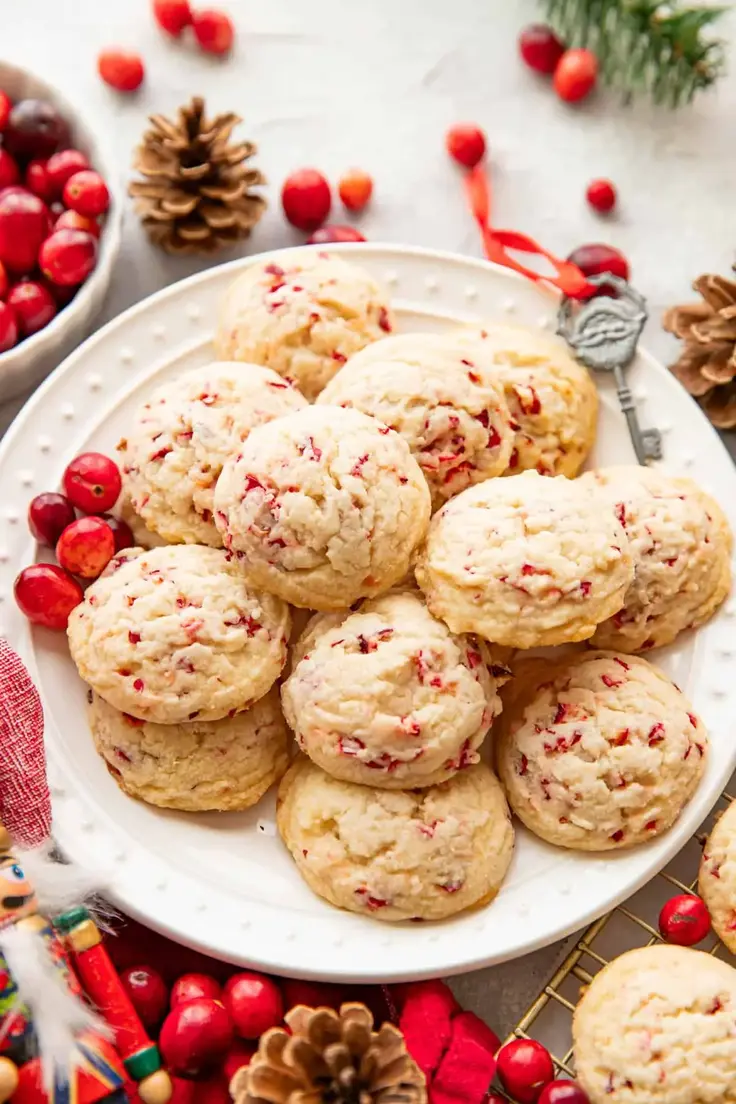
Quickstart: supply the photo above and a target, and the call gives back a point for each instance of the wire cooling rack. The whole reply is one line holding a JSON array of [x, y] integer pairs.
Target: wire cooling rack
[[633, 924]]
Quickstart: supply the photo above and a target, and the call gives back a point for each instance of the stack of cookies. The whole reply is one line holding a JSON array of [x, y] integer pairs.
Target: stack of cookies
[[412, 501]]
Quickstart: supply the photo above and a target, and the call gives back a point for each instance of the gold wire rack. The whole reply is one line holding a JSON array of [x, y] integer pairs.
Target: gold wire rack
[[633, 924]]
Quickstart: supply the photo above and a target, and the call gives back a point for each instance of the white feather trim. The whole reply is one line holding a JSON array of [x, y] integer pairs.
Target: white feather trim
[[58, 1015], [58, 886]]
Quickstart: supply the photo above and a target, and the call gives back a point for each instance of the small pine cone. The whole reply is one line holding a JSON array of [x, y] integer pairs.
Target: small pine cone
[[330, 1058], [196, 194]]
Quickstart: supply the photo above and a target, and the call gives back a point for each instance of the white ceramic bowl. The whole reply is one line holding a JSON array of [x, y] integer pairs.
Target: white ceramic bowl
[[23, 366]]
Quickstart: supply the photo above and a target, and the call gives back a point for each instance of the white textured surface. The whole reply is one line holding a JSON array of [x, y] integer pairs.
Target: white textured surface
[[376, 84]]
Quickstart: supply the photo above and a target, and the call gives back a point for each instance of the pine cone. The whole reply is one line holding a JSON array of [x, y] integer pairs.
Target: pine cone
[[707, 364], [330, 1058], [196, 195]]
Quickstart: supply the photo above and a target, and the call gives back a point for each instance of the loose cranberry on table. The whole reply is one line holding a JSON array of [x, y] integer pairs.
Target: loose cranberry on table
[[213, 30], [254, 1002], [684, 920], [121, 69], [172, 16], [24, 220], [524, 1068], [86, 547], [92, 482], [575, 75], [60, 166], [355, 188], [195, 1037], [9, 171], [121, 531], [333, 232], [46, 594], [68, 256], [306, 199], [540, 47], [72, 220], [48, 516], [9, 329], [87, 193], [37, 180], [466, 144], [34, 306], [148, 993], [601, 195], [34, 129], [563, 1092], [190, 986], [5, 105], [238, 1055]]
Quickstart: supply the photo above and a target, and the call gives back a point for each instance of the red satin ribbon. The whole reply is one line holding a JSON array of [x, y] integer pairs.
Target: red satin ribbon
[[568, 279]]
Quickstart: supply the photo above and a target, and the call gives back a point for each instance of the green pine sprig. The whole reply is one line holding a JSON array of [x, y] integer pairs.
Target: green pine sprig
[[645, 46]]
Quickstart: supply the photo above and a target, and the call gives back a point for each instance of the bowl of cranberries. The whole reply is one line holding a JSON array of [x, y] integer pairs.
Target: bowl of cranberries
[[59, 228]]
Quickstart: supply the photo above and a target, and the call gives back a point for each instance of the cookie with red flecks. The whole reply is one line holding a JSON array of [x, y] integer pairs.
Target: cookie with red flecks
[[175, 634], [397, 854], [303, 314], [551, 397], [681, 544], [717, 878], [197, 766], [386, 695], [449, 410], [597, 751]]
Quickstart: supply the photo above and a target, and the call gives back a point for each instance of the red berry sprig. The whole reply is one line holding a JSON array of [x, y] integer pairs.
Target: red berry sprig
[[684, 920], [601, 195], [524, 1067]]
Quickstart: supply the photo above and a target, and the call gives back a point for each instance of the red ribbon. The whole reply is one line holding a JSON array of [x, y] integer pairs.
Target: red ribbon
[[569, 278]]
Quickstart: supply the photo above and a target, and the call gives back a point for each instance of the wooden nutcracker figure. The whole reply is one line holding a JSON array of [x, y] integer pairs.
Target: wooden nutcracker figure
[[66, 1036]]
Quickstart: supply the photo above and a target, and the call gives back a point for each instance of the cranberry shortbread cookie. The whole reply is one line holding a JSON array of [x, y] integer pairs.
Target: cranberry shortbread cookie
[[183, 434], [681, 544], [198, 766], [395, 854], [717, 879], [596, 750], [323, 507], [551, 396], [176, 634], [525, 561], [658, 1026], [302, 313], [388, 696], [451, 413]]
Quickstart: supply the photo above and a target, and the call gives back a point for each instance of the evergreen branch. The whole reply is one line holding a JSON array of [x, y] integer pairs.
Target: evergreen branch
[[645, 46]]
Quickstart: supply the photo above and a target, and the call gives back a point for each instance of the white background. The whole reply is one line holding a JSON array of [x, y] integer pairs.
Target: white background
[[335, 83]]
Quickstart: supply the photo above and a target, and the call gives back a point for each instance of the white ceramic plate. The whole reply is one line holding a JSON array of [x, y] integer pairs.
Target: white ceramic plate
[[223, 882]]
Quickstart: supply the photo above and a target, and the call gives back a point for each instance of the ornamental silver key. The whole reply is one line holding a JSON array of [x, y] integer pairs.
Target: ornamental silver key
[[603, 333]]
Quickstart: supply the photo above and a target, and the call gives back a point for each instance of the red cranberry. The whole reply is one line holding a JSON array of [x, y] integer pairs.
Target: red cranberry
[[5, 105], [72, 220], [524, 1068], [172, 16], [355, 188], [213, 31], [601, 195], [123, 536], [37, 180], [466, 144], [148, 994], [34, 305], [195, 1036], [563, 1092], [86, 547], [315, 994], [92, 482], [34, 129], [575, 75], [596, 258], [121, 69], [87, 193], [8, 327], [254, 1003], [60, 166], [47, 595], [540, 47], [4, 281], [190, 986], [333, 232], [48, 516], [684, 920], [239, 1055], [23, 227], [306, 199], [9, 171], [68, 256]]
